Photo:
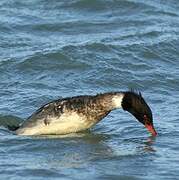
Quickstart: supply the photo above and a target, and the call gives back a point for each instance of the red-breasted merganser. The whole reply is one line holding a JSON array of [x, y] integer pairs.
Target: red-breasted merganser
[[74, 114]]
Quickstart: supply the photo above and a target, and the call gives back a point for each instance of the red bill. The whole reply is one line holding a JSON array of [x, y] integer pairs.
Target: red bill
[[151, 129]]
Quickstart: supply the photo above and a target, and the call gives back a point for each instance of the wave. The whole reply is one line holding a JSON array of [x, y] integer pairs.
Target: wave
[[51, 60]]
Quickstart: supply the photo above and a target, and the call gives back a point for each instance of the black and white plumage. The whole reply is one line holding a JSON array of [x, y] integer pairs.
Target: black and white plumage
[[74, 114]]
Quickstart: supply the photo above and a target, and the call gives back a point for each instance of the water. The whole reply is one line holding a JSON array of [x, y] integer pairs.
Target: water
[[52, 49]]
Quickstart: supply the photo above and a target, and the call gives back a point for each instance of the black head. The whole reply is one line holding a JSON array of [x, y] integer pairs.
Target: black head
[[135, 104]]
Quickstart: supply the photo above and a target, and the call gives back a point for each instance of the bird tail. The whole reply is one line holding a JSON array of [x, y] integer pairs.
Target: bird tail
[[13, 127], [12, 123]]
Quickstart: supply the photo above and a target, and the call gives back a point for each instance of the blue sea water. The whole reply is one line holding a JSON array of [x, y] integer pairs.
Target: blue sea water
[[52, 49]]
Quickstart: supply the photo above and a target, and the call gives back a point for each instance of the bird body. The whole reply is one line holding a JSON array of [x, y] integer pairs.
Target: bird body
[[75, 114], [70, 115]]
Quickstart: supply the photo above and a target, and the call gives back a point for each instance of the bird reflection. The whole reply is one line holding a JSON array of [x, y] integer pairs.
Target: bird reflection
[[148, 144]]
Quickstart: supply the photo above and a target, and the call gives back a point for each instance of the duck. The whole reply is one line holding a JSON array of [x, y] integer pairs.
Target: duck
[[79, 113]]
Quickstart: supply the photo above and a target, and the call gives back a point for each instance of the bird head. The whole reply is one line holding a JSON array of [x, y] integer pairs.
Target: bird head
[[135, 104]]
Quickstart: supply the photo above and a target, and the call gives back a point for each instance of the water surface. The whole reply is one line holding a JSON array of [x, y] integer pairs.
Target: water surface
[[52, 49]]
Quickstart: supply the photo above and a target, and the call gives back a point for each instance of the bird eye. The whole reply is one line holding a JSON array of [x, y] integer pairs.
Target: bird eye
[[146, 119]]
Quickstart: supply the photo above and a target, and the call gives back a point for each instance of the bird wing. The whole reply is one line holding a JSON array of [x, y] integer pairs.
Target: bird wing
[[45, 114]]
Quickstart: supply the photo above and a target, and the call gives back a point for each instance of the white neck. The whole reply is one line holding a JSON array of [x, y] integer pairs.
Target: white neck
[[117, 100]]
